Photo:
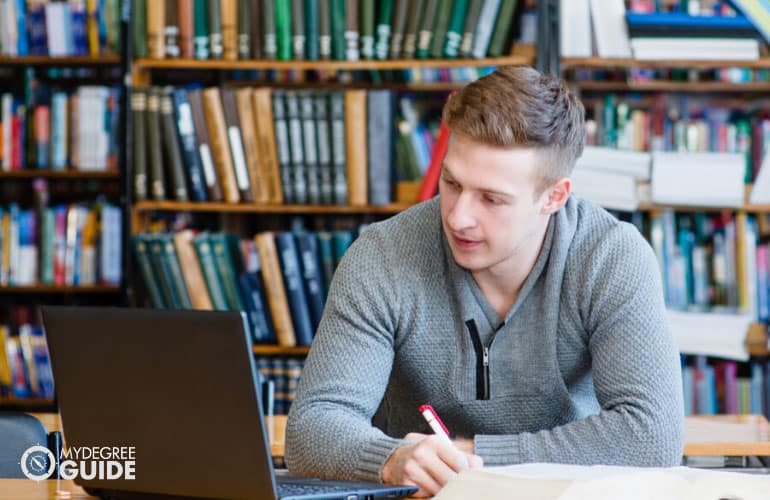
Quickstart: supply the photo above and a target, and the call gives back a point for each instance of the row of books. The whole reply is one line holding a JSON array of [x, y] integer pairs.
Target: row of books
[[637, 76], [262, 145], [25, 367], [725, 387], [67, 245], [686, 124], [56, 130], [280, 280], [280, 377], [323, 29], [56, 28], [718, 32]]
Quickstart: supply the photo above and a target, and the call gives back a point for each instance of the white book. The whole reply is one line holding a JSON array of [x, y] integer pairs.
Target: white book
[[700, 179], [634, 163], [93, 136], [608, 189], [711, 333], [57, 17], [610, 29], [486, 24], [575, 33], [698, 49]]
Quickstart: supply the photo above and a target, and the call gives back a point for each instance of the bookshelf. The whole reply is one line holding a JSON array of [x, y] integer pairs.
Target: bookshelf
[[61, 173], [673, 86], [627, 63], [253, 208]]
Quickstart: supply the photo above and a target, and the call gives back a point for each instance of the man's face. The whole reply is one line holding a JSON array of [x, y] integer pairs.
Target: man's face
[[488, 206]]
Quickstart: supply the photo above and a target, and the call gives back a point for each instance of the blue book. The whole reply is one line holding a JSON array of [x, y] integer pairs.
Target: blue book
[[59, 117], [38, 33], [22, 42], [79, 27], [326, 252], [295, 289], [673, 20], [186, 129], [688, 385], [307, 245], [341, 242], [256, 307]]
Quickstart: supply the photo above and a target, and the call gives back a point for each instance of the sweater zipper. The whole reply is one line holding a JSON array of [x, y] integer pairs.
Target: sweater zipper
[[482, 360]]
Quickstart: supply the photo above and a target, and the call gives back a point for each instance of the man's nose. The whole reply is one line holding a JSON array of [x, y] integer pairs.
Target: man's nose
[[461, 216]]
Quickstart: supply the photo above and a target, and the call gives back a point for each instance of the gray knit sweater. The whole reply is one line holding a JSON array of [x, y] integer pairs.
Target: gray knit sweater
[[582, 370]]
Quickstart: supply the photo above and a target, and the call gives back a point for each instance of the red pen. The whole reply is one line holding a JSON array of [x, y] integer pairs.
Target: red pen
[[434, 421]]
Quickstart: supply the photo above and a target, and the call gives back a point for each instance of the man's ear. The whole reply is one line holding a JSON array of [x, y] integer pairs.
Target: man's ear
[[556, 196]]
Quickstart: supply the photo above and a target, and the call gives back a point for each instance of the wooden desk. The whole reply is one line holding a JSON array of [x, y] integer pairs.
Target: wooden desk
[[24, 489], [276, 429], [726, 435]]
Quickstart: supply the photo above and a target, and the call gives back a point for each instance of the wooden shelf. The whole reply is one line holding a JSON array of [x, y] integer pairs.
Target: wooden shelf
[[277, 350], [398, 86], [60, 289], [174, 206], [26, 403], [58, 174], [60, 61], [672, 86], [182, 64], [603, 63]]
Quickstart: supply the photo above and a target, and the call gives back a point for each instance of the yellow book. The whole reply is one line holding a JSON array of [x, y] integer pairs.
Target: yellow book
[[93, 27]]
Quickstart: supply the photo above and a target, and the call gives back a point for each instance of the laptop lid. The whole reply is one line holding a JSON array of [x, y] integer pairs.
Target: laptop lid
[[177, 386]]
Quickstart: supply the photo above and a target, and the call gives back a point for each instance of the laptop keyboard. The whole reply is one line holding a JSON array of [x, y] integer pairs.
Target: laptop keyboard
[[295, 489]]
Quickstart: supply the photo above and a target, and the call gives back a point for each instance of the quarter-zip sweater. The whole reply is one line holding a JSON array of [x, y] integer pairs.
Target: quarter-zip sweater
[[583, 369]]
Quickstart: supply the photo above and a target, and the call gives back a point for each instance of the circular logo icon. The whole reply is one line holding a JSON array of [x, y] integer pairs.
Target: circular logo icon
[[37, 463]]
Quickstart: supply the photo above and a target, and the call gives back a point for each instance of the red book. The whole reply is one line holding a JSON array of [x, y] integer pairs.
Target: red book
[[429, 184]]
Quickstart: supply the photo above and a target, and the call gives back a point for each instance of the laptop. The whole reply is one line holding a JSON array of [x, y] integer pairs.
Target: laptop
[[180, 387]]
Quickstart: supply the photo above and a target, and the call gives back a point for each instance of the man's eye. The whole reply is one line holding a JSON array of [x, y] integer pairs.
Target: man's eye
[[493, 201]]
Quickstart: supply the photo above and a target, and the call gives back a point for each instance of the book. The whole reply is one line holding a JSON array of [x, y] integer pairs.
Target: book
[[229, 26], [189, 147], [252, 155], [356, 146], [235, 141], [171, 149], [220, 144], [295, 287], [191, 270], [379, 146], [275, 290], [213, 185], [267, 144]]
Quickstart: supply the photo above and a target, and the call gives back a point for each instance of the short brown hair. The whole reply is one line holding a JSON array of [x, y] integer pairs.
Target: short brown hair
[[519, 106]]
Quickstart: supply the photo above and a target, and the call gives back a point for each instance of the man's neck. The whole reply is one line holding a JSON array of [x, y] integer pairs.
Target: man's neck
[[502, 283]]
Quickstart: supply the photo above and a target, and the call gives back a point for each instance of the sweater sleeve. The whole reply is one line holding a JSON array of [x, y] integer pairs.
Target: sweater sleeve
[[635, 368], [329, 432]]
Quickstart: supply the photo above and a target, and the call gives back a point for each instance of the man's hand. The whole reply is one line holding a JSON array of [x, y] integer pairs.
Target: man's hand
[[428, 462]]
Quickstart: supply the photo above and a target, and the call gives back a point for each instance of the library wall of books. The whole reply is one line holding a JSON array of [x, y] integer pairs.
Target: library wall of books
[[224, 154]]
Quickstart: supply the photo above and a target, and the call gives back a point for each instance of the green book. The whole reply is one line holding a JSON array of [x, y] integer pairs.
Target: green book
[[383, 29], [415, 15], [155, 149], [425, 35], [503, 27], [139, 25], [226, 270], [454, 34], [298, 30], [311, 30], [46, 246], [171, 261], [338, 29], [214, 16], [398, 27], [283, 29], [201, 29], [139, 141], [471, 20], [149, 275], [162, 271], [210, 272], [244, 29], [440, 28], [367, 29], [352, 34], [324, 30], [270, 37]]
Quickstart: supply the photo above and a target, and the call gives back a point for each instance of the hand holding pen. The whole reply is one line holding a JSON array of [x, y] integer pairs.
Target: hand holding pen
[[428, 461]]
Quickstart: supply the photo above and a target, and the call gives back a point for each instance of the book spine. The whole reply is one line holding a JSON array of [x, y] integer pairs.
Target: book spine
[[298, 30], [397, 30], [454, 33], [171, 30], [213, 185], [229, 22], [339, 147], [275, 290], [440, 28], [171, 146], [425, 34], [139, 123], [155, 150], [264, 124], [295, 290], [244, 17], [201, 29], [283, 29], [282, 147], [380, 146], [296, 148], [254, 160], [186, 129], [269, 33], [338, 29], [312, 29], [352, 52], [471, 20], [502, 31], [383, 29], [324, 145], [235, 141], [214, 18], [324, 30], [311, 148], [223, 161], [355, 132], [156, 21], [210, 273], [186, 29]]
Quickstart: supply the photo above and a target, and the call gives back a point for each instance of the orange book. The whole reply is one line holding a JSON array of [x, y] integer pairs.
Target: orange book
[[248, 132], [156, 24], [355, 133], [185, 13], [264, 126], [191, 271], [275, 290], [215, 119], [229, 29]]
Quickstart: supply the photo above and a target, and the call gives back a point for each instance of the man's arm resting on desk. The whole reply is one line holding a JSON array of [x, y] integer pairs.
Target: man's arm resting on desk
[[635, 367]]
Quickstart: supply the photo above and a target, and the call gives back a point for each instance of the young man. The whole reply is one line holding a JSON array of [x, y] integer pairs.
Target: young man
[[531, 320]]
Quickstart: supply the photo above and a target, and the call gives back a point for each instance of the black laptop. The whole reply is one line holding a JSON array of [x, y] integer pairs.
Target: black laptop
[[180, 389]]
